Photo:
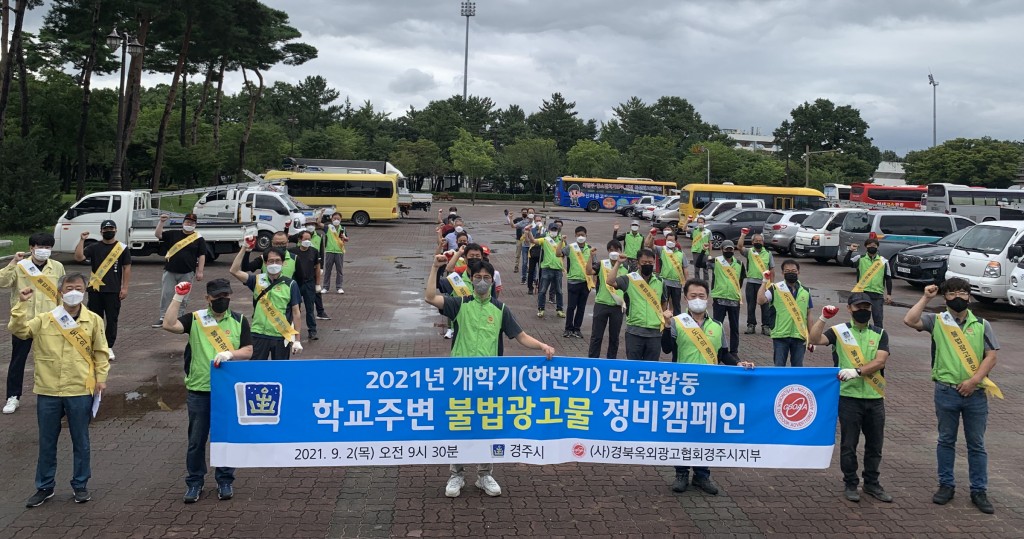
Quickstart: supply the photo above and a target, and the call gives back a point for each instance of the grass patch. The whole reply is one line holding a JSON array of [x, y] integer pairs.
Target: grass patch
[[20, 240]]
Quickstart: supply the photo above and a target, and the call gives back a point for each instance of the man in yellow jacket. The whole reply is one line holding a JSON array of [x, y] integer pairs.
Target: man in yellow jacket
[[71, 364]]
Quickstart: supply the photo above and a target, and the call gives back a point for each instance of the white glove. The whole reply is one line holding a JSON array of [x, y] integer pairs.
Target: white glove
[[319, 289], [848, 374], [296, 347], [222, 356]]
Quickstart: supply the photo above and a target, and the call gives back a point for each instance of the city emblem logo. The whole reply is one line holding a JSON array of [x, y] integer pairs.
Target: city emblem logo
[[497, 450], [795, 407], [258, 403]]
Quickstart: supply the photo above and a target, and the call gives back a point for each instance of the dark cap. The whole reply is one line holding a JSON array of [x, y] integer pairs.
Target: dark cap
[[218, 286], [191, 217], [858, 297], [108, 224], [728, 244], [553, 226]]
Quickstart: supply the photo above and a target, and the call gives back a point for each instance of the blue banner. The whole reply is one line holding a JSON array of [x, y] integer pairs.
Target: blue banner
[[358, 412]]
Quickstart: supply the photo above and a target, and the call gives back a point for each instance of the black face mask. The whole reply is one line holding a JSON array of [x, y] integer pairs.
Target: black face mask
[[647, 270], [958, 304], [220, 305], [862, 316], [791, 277], [727, 254], [108, 234], [872, 250], [758, 246]]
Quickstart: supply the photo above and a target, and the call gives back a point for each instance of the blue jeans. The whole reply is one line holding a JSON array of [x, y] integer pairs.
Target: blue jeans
[[699, 472], [308, 291], [790, 347], [949, 407], [198, 433], [49, 411], [549, 278], [524, 263]]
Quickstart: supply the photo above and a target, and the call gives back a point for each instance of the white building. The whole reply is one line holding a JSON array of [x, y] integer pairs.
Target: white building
[[889, 173], [753, 141]]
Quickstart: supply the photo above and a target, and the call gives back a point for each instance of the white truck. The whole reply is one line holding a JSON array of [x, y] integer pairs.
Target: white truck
[[407, 200], [268, 209], [136, 220]]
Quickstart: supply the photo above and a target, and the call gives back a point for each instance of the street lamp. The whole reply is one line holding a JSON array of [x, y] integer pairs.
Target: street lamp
[[934, 83], [807, 162], [294, 122], [128, 45], [705, 149], [468, 10]]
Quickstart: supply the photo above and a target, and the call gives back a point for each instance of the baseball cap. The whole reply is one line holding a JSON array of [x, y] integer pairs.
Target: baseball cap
[[218, 286], [858, 297], [553, 226], [635, 222], [191, 217], [108, 224], [728, 244]]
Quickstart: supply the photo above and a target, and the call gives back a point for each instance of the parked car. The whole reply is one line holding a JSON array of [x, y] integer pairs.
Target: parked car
[[648, 211], [922, 265], [727, 226], [629, 210], [717, 207], [985, 257], [780, 229], [899, 228], [818, 235], [1015, 294], [667, 216]]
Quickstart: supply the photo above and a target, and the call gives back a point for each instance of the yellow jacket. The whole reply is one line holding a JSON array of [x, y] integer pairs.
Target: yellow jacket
[[60, 371], [13, 277]]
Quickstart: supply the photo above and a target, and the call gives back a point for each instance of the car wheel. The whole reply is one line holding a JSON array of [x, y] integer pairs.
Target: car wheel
[[716, 240], [361, 218], [983, 299], [263, 240], [789, 250]]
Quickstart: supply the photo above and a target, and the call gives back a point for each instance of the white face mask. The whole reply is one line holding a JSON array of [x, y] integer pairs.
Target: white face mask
[[613, 256], [74, 297], [458, 229], [553, 234], [41, 254], [188, 228], [310, 229], [666, 232], [529, 216], [336, 222], [274, 269], [634, 228], [307, 243], [697, 305], [581, 239], [670, 244]]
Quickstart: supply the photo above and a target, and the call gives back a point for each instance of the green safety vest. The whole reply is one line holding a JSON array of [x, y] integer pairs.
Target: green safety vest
[[479, 328], [550, 258], [668, 272], [288, 267], [946, 365], [604, 296], [576, 273], [752, 271], [202, 351], [317, 239], [699, 240], [686, 352], [634, 242], [280, 296], [640, 313], [724, 288], [785, 326], [867, 340], [876, 284], [333, 246]]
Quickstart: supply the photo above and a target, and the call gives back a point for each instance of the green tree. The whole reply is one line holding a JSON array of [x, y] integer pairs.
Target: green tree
[[29, 197], [537, 158], [557, 120], [474, 157], [509, 125], [822, 126], [983, 162], [652, 157], [637, 119], [592, 159]]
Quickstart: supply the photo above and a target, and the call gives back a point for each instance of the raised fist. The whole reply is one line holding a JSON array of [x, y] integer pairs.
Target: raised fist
[[164, 218], [854, 247], [745, 231], [829, 311], [85, 236], [25, 294], [449, 254], [250, 242], [440, 260], [182, 289], [931, 291], [616, 227], [19, 256], [767, 275]]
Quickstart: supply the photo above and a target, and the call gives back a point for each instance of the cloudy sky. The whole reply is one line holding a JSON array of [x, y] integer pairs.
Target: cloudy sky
[[742, 64]]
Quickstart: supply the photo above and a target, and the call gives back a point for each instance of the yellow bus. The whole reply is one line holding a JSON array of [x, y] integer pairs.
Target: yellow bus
[[360, 198], [693, 197]]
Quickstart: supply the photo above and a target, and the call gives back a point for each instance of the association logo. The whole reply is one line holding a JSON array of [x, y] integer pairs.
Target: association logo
[[258, 403], [497, 450], [795, 407], [579, 450]]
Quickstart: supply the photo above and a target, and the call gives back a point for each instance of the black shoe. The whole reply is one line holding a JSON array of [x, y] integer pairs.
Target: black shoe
[[682, 483], [529, 292], [577, 334], [192, 494], [522, 281], [225, 491], [878, 493], [751, 329], [706, 484], [767, 331], [980, 500], [313, 336], [39, 497], [323, 316], [943, 495], [82, 495], [850, 493], [566, 334]]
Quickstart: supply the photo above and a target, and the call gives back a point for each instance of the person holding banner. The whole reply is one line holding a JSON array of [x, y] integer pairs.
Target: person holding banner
[[608, 304], [963, 354], [579, 279], [479, 321], [790, 300], [185, 258], [697, 339], [860, 351], [215, 334], [275, 320], [759, 262], [700, 246], [646, 299], [725, 292], [32, 269], [111, 263], [71, 366], [873, 276]]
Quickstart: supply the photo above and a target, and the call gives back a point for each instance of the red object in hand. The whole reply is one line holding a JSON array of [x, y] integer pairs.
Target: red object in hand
[[829, 311], [449, 254], [250, 241], [182, 289], [872, 235], [767, 275], [745, 231], [654, 231], [216, 365]]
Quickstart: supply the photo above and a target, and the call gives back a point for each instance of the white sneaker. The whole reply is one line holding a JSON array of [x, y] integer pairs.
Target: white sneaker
[[12, 405], [341, 290], [454, 486], [449, 333], [112, 356], [487, 484]]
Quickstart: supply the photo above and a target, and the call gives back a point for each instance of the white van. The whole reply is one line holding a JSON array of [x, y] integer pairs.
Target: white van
[[718, 207], [1015, 294], [818, 235], [986, 256]]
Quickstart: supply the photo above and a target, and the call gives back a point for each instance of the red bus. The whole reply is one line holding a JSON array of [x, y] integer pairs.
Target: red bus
[[900, 196]]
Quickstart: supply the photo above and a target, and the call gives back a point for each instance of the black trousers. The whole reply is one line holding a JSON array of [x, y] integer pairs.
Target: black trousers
[[858, 416], [266, 347], [733, 312], [609, 316], [675, 295], [576, 305], [750, 293], [318, 302], [643, 348], [700, 266], [20, 349], [107, 305], [877, 306], [533, 274]]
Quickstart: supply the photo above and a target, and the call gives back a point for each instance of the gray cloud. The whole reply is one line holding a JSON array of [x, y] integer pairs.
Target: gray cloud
[[412, 81]]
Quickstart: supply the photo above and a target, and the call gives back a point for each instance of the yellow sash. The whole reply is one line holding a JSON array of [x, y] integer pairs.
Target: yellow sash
[[185, 242], [278, 320], [578, 255], [648, 293], [759, 262], [734, 278], [848, 343], [459, 285], [676, 265], [958, 343], [792, 308], [337, 238], [208, 324], [41, 282], [606, 266], [686, 325], [96, 281], [78, 340], [873, 270]]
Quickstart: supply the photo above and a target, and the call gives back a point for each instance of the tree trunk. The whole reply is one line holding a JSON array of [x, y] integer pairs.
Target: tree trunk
[[184, 108], [202, 104], [65, 174], [23, 90], [161, 135], [254, 97], [5, 27], [6, 66], [86, 95], [217, 103], [132, 98]]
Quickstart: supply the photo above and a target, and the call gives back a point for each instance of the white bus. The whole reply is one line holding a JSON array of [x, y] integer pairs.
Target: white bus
[[978, 204], [836, 193]]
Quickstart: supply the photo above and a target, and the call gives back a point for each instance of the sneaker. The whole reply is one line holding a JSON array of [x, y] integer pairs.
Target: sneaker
[[980, 500], [225, 491], [111, 355], [82, 495], [551, 300], [567, 334], [561, 314], [341, 290], [39, 497], [751, 329], [850, 493], [766, 331], [454, 486], [487, 484], [540, 313], [313, 336], [529, 292], [192, 494], [706, 484], [681, 483], [448, 333], [158, 324], [577, 334], [878, 493], [12, 404], [944, 494], [522, 281], [323, 317]]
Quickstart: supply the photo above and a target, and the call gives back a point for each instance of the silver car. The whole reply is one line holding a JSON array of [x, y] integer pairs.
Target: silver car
[[780, 230]]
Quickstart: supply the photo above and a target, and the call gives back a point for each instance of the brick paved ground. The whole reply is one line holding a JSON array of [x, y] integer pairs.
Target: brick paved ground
[[139, 438]]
